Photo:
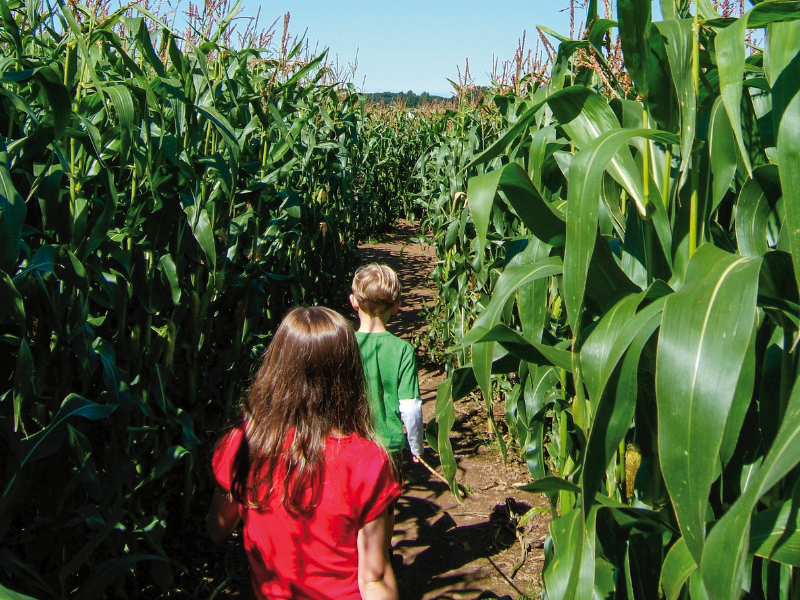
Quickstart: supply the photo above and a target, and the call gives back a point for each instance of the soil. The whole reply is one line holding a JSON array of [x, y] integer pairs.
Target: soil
[[441, 548]]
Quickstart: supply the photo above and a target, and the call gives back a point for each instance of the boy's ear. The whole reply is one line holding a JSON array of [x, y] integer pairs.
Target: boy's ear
[[395, 307], [354, 302]]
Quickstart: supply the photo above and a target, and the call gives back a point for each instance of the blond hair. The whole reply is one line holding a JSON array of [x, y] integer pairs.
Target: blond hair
[[376, 288]]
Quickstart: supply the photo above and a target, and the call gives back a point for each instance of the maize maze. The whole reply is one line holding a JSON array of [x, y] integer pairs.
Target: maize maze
[[163, 204], [618, 265]]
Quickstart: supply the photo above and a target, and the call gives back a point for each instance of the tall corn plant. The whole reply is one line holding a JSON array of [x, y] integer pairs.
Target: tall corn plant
[[161, 205], [649, 310]]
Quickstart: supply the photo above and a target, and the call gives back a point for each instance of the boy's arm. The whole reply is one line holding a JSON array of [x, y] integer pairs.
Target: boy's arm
[[410, 399], [411, 415]]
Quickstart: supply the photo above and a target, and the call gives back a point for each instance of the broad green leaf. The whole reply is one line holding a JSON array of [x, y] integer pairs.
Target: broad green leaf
[[774, 534], [722, 151], [634, 34], [532, 303], [512, 180], [562, 64], [12, 216], [705, 330], [123, 104], [610, 339], [513, 342], [99, 232], [575, 97], [224, 127], [572, 570], [753, 210], [539, 141], [678, 42], [741, 401], [57, 97], [506, 286], [583, 206], [12, 595], [47, 441], [201, 228], [114, 378], [782, 68], [145, 45], [615, 408], [446, 417], [167, 266], [678, 566], [723, 559], [628, 516], [567, 532], [69, 269], [550, 484], [586, 117], [730, 49]]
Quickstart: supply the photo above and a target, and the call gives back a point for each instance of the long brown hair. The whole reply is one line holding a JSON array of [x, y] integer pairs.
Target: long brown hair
[[310, 385]]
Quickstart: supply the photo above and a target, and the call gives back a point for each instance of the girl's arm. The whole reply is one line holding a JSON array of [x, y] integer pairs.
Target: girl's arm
[[223, 516], [375, 576]]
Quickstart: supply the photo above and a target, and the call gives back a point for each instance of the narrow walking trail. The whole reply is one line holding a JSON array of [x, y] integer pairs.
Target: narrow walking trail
[[443, 549]]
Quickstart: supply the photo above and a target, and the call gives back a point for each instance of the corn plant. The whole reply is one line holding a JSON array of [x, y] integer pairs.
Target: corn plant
[[163, 201], [648, 309]]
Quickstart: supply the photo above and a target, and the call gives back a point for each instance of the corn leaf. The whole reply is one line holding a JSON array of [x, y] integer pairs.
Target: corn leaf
[[47, 441], [705, 331]]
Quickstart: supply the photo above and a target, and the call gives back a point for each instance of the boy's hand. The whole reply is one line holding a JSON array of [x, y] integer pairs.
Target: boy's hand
[[417, 459]]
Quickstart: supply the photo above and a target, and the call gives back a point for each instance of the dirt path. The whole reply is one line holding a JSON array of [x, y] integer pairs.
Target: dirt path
[[444, 549]]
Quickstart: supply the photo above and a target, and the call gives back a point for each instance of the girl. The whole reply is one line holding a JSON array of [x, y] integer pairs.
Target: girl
[[299, 470]]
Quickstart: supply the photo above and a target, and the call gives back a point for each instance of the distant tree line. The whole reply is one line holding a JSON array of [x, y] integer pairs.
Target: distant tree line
[[411, 99]]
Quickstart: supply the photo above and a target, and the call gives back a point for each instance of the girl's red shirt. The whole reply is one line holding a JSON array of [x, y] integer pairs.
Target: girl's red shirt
[[314, 557]]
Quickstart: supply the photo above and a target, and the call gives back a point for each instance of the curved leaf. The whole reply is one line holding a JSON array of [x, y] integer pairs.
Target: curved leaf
[[583, 206], [538, 215], [678, 43], [12, 215], [507, 285], [678, 566], [47, 441], [783, 66], [753, 210], [615, 408], [730, 48], [722, 563], [704, 336]]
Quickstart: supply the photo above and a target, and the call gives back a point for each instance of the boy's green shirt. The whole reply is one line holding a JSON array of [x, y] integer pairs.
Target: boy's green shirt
[[390, 368]]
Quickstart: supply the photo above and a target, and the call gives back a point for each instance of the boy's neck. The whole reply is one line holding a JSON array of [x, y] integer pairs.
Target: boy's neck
[[373, 324]]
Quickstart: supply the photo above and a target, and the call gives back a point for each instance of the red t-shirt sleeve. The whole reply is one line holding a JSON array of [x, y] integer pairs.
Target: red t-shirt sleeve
[[378, 490], [222, 458]]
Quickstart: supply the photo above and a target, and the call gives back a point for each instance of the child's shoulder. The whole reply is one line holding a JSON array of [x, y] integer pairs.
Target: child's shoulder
[[355, 448], [384, 338]]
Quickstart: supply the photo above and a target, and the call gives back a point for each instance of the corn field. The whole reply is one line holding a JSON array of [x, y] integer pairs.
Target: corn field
[[164, 201], [617, 230], [618, 263]]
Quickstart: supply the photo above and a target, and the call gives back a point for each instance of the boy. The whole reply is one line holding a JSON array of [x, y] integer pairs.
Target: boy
[[390, 366]]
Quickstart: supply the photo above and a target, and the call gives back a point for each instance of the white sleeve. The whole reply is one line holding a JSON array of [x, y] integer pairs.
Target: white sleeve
[[411, 414]]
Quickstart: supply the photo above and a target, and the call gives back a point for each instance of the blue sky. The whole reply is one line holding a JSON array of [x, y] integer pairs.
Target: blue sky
[[417, 45]]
